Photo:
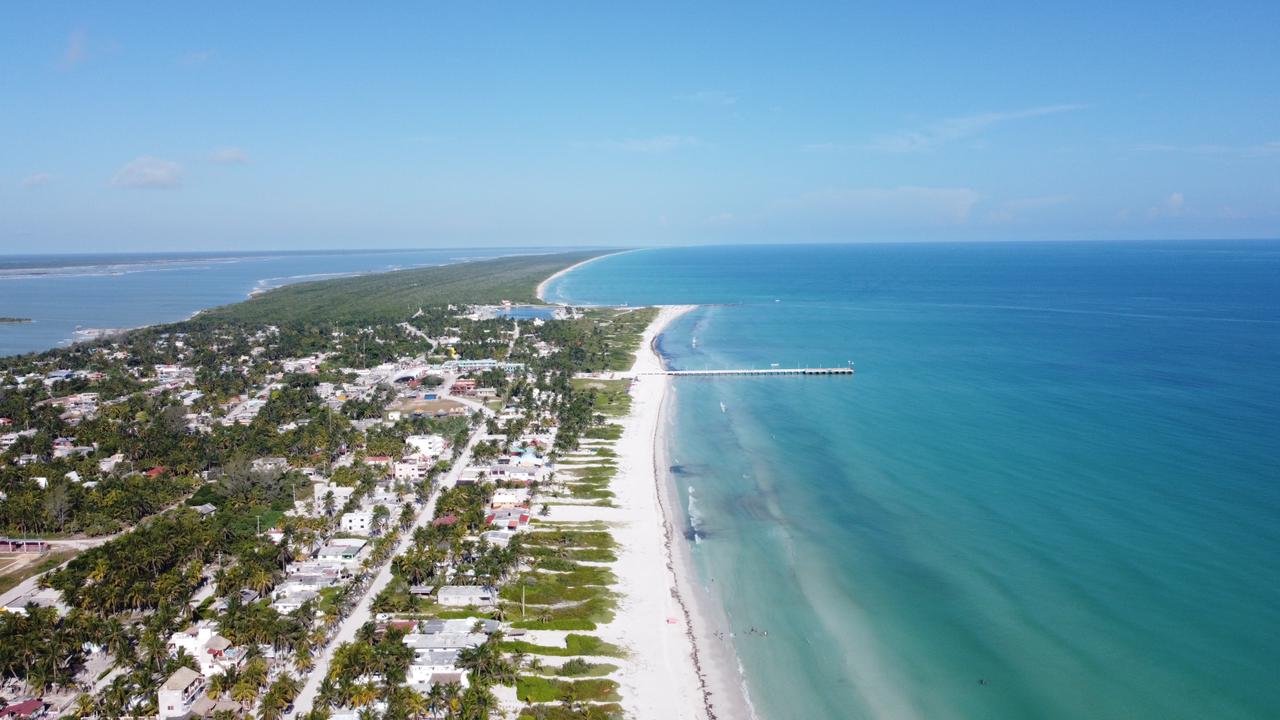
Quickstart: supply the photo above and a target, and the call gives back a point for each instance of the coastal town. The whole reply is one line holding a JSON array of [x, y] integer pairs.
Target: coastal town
[[425, 518]]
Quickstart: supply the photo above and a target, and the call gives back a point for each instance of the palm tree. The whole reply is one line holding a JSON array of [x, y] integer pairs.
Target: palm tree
[[477, 703], [222, 682], [364, 694], [244, 692]]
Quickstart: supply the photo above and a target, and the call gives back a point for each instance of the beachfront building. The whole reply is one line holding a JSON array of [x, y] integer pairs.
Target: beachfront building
[[464, 595], [179, 693], [212, 652]]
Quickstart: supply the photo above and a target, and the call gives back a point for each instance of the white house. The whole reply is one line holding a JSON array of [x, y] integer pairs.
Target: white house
[[509, 497], [431, 446], [291, 596], [178, 693], [411, 470], [212, 652], [341, 554], [429, 665], [109, 464], [464, 595], [359, 521]]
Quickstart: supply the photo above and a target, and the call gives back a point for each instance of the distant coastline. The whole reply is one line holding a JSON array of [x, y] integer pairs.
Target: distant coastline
[[541, 291], [56, 300]]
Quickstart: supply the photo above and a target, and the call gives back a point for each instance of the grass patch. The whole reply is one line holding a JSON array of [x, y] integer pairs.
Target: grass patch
[[574, 644], [611, 397], [578, 554], [584, 582], [602, 711], [534, 689], [608, 431], [577, 668], [598, 539]]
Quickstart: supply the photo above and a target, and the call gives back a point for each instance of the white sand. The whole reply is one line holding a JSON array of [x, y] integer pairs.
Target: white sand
[[668, 674], [542, 286]]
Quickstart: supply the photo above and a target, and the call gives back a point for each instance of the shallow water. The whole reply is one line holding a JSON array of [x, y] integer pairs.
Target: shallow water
[[1049, 491], [63, 292]]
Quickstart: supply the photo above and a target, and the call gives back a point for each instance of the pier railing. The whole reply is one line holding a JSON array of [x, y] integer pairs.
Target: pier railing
[[763, 371]]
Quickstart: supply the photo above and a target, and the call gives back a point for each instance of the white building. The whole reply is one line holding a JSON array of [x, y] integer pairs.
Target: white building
[[342, 554], [411, 470], [509, 497], [109, 464], [359, 521], [431, 446], [291, 596], [212, 652], [178, 693], [464, 595]]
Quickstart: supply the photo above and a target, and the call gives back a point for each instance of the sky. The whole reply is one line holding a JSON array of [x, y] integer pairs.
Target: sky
[[254, 126]]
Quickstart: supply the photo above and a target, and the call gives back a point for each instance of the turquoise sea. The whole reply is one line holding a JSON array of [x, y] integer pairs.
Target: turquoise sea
[[1052, 489]]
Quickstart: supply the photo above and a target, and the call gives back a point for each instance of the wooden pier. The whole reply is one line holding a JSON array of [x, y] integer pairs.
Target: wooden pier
[[764, 371]]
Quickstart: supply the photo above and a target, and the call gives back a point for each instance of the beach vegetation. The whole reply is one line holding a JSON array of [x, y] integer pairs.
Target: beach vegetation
[[537, 689], [574, 644]]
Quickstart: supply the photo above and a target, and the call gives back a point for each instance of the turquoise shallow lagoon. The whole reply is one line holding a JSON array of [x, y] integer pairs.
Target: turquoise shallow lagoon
[[60, 293], [1056, 471]]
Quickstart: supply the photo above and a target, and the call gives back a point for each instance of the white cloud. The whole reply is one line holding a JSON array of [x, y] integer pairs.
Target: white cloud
[[37, 180], [1013, 210], [76, 50], [942, 132], [229, 156], [149, 172], [1171, 207], [713, 98], [1264, 149], [655, 144]]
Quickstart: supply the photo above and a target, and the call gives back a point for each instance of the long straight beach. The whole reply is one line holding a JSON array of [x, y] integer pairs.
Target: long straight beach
[[681, 663]]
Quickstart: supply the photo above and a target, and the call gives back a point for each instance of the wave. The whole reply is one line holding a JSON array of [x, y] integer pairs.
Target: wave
[[694, 533]]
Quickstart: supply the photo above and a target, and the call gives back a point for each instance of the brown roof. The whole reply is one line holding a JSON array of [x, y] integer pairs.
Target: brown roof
[[180, 679]]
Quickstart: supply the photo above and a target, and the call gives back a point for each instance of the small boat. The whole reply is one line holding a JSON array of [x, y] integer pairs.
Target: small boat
[[722, 407]]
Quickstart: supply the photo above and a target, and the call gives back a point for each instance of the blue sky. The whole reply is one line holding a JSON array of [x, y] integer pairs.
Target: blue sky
[[234, 126]]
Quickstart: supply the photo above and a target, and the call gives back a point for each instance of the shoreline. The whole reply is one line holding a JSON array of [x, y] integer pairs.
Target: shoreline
[[676, 669], [715, 657], [540, 292]]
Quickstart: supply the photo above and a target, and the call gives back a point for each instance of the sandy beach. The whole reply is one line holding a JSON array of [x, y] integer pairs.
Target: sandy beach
[[541, 291], [676, 668]]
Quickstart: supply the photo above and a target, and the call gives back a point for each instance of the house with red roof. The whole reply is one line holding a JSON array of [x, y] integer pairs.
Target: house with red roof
[[26, 709]]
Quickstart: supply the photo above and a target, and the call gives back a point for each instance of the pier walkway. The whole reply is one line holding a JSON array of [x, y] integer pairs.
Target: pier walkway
[[765, 371]]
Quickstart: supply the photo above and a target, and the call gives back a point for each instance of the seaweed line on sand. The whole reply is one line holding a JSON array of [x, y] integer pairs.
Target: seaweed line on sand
[[667, 540]]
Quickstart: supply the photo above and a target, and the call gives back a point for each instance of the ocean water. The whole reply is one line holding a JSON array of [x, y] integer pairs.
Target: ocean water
[[1052, 489], [63, 292]]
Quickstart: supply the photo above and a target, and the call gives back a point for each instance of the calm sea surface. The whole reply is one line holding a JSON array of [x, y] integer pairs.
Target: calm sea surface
[[63, 292], [1056, 471]]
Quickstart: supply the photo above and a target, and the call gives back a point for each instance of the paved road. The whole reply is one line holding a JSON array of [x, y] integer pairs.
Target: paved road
[[362, 612]]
